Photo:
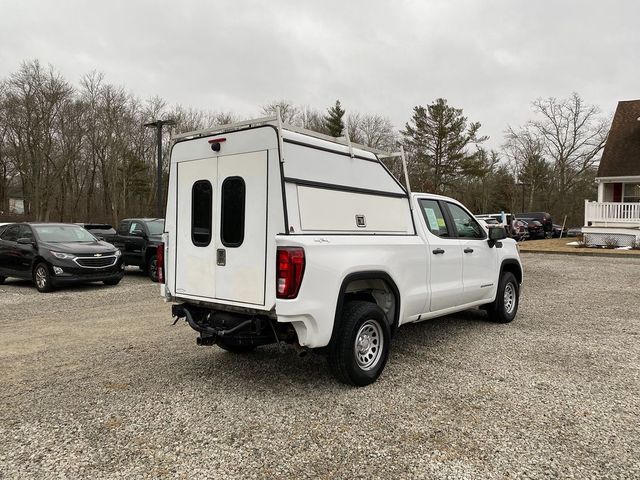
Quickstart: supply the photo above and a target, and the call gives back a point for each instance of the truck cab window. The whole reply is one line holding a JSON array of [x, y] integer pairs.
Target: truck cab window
[[123, 229], [466, 225], [233, 206], [201, 209], [434, 218]]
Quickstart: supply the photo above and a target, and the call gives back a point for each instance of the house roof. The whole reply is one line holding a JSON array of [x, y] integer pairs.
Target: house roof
[[621, 156]]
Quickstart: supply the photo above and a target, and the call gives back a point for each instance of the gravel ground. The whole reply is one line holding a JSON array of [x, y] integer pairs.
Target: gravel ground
[[96, 383]]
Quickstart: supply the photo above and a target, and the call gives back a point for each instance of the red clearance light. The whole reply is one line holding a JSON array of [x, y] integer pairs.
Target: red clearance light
[[290, 269], [160, 262], [218, 140]]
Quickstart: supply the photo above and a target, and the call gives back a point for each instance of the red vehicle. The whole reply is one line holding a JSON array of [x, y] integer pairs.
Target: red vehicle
[[534, 228]]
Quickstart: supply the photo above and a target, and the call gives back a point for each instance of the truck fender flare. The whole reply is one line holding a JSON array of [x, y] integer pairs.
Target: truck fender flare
[[511, 265], [366, 275]]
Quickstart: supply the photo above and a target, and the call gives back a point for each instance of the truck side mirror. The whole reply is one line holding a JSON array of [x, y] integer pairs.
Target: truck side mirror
[[26, 241], [495, 235]]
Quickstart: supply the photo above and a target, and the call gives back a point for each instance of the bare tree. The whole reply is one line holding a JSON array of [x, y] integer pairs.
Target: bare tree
[[572, 134], [288, 111], [525, 151]]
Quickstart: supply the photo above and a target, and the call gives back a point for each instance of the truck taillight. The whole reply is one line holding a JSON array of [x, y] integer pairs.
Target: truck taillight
[[290, 269], [160, 262]]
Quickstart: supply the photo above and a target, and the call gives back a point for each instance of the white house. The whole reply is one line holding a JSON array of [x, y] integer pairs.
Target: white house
[[616, 214]]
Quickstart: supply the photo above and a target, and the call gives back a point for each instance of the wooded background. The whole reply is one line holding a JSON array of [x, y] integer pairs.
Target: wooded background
[[80, 153]]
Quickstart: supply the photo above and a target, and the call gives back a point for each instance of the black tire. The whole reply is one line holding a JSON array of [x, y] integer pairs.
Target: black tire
[[364, 320], [501, 310], [234, 348], [2, 279], [112, 282], [42, 278], [152, 268]]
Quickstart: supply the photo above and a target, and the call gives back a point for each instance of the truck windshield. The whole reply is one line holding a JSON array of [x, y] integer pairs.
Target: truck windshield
[[156, 227], [63, 233]]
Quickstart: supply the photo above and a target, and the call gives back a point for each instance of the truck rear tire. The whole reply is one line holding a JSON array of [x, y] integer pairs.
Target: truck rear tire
[[2, 279], [360, 349], [504, 308]]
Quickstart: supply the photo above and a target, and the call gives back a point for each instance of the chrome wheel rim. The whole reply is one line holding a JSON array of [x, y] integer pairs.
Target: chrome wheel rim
[[509, 298], [41, 277], [368, 345]]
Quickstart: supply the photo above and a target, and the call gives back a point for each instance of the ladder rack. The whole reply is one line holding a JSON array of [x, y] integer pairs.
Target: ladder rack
[[276, 121]]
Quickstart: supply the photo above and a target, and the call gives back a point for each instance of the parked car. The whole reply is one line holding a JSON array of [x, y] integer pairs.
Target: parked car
[[519, 230], [559, 230], [138, 238], [543, 217], [259, 251], [56, 254], [102, 231], [574, 232], [534, 228]]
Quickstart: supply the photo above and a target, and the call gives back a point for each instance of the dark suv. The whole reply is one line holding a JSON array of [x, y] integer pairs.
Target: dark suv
[[543, 217], [55, 254], [138, 239]]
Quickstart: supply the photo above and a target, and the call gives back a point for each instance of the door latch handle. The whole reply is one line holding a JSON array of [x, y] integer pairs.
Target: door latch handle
[[438, 251], [221, 257], [468, 250]]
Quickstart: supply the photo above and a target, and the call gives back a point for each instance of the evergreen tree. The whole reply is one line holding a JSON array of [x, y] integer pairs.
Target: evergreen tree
[[437, 139], [333, 120]]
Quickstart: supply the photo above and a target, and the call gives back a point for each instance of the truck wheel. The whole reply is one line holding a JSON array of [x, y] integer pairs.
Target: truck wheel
[[359, 352], [42, 278], [504, 308], [234, 348], [152, 268], [2, 279]]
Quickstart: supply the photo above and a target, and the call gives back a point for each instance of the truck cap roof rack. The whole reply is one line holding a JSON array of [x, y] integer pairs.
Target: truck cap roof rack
[[276, 121], [273, 120]]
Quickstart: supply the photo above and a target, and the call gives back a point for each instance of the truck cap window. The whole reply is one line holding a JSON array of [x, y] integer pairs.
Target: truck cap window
[[434, 218], [233, 203], [201, 207]]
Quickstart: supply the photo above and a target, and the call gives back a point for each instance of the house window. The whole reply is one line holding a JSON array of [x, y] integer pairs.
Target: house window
[[631, 192]]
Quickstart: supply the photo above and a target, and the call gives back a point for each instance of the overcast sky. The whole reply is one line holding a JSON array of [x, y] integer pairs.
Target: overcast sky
[[490, 58]]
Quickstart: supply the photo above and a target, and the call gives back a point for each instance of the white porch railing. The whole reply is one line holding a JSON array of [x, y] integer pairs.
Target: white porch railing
[[611, 212]]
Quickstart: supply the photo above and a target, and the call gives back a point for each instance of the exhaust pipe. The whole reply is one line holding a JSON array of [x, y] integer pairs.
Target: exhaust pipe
[[302, 351]]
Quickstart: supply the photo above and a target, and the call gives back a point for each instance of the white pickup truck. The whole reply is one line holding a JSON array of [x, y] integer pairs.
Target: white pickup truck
[[276, 234]]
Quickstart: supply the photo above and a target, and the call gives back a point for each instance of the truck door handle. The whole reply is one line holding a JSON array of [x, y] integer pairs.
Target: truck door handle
[[221, 257], [438, 251], [468, 250]]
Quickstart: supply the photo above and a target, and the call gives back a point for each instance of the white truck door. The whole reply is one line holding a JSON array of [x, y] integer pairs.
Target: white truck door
[[479, 261], [241, 232], [195, 242], [222, 228], [445, 258]]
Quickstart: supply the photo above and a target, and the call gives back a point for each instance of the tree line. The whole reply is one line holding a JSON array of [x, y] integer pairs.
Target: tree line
[[81, 152]]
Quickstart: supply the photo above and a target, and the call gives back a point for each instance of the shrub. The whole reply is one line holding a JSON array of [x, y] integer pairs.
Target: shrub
[[610, 242]]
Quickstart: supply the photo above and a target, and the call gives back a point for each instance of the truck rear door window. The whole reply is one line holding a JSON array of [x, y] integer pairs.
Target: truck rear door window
[[201, 209], [434, 218], [233, 208]]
